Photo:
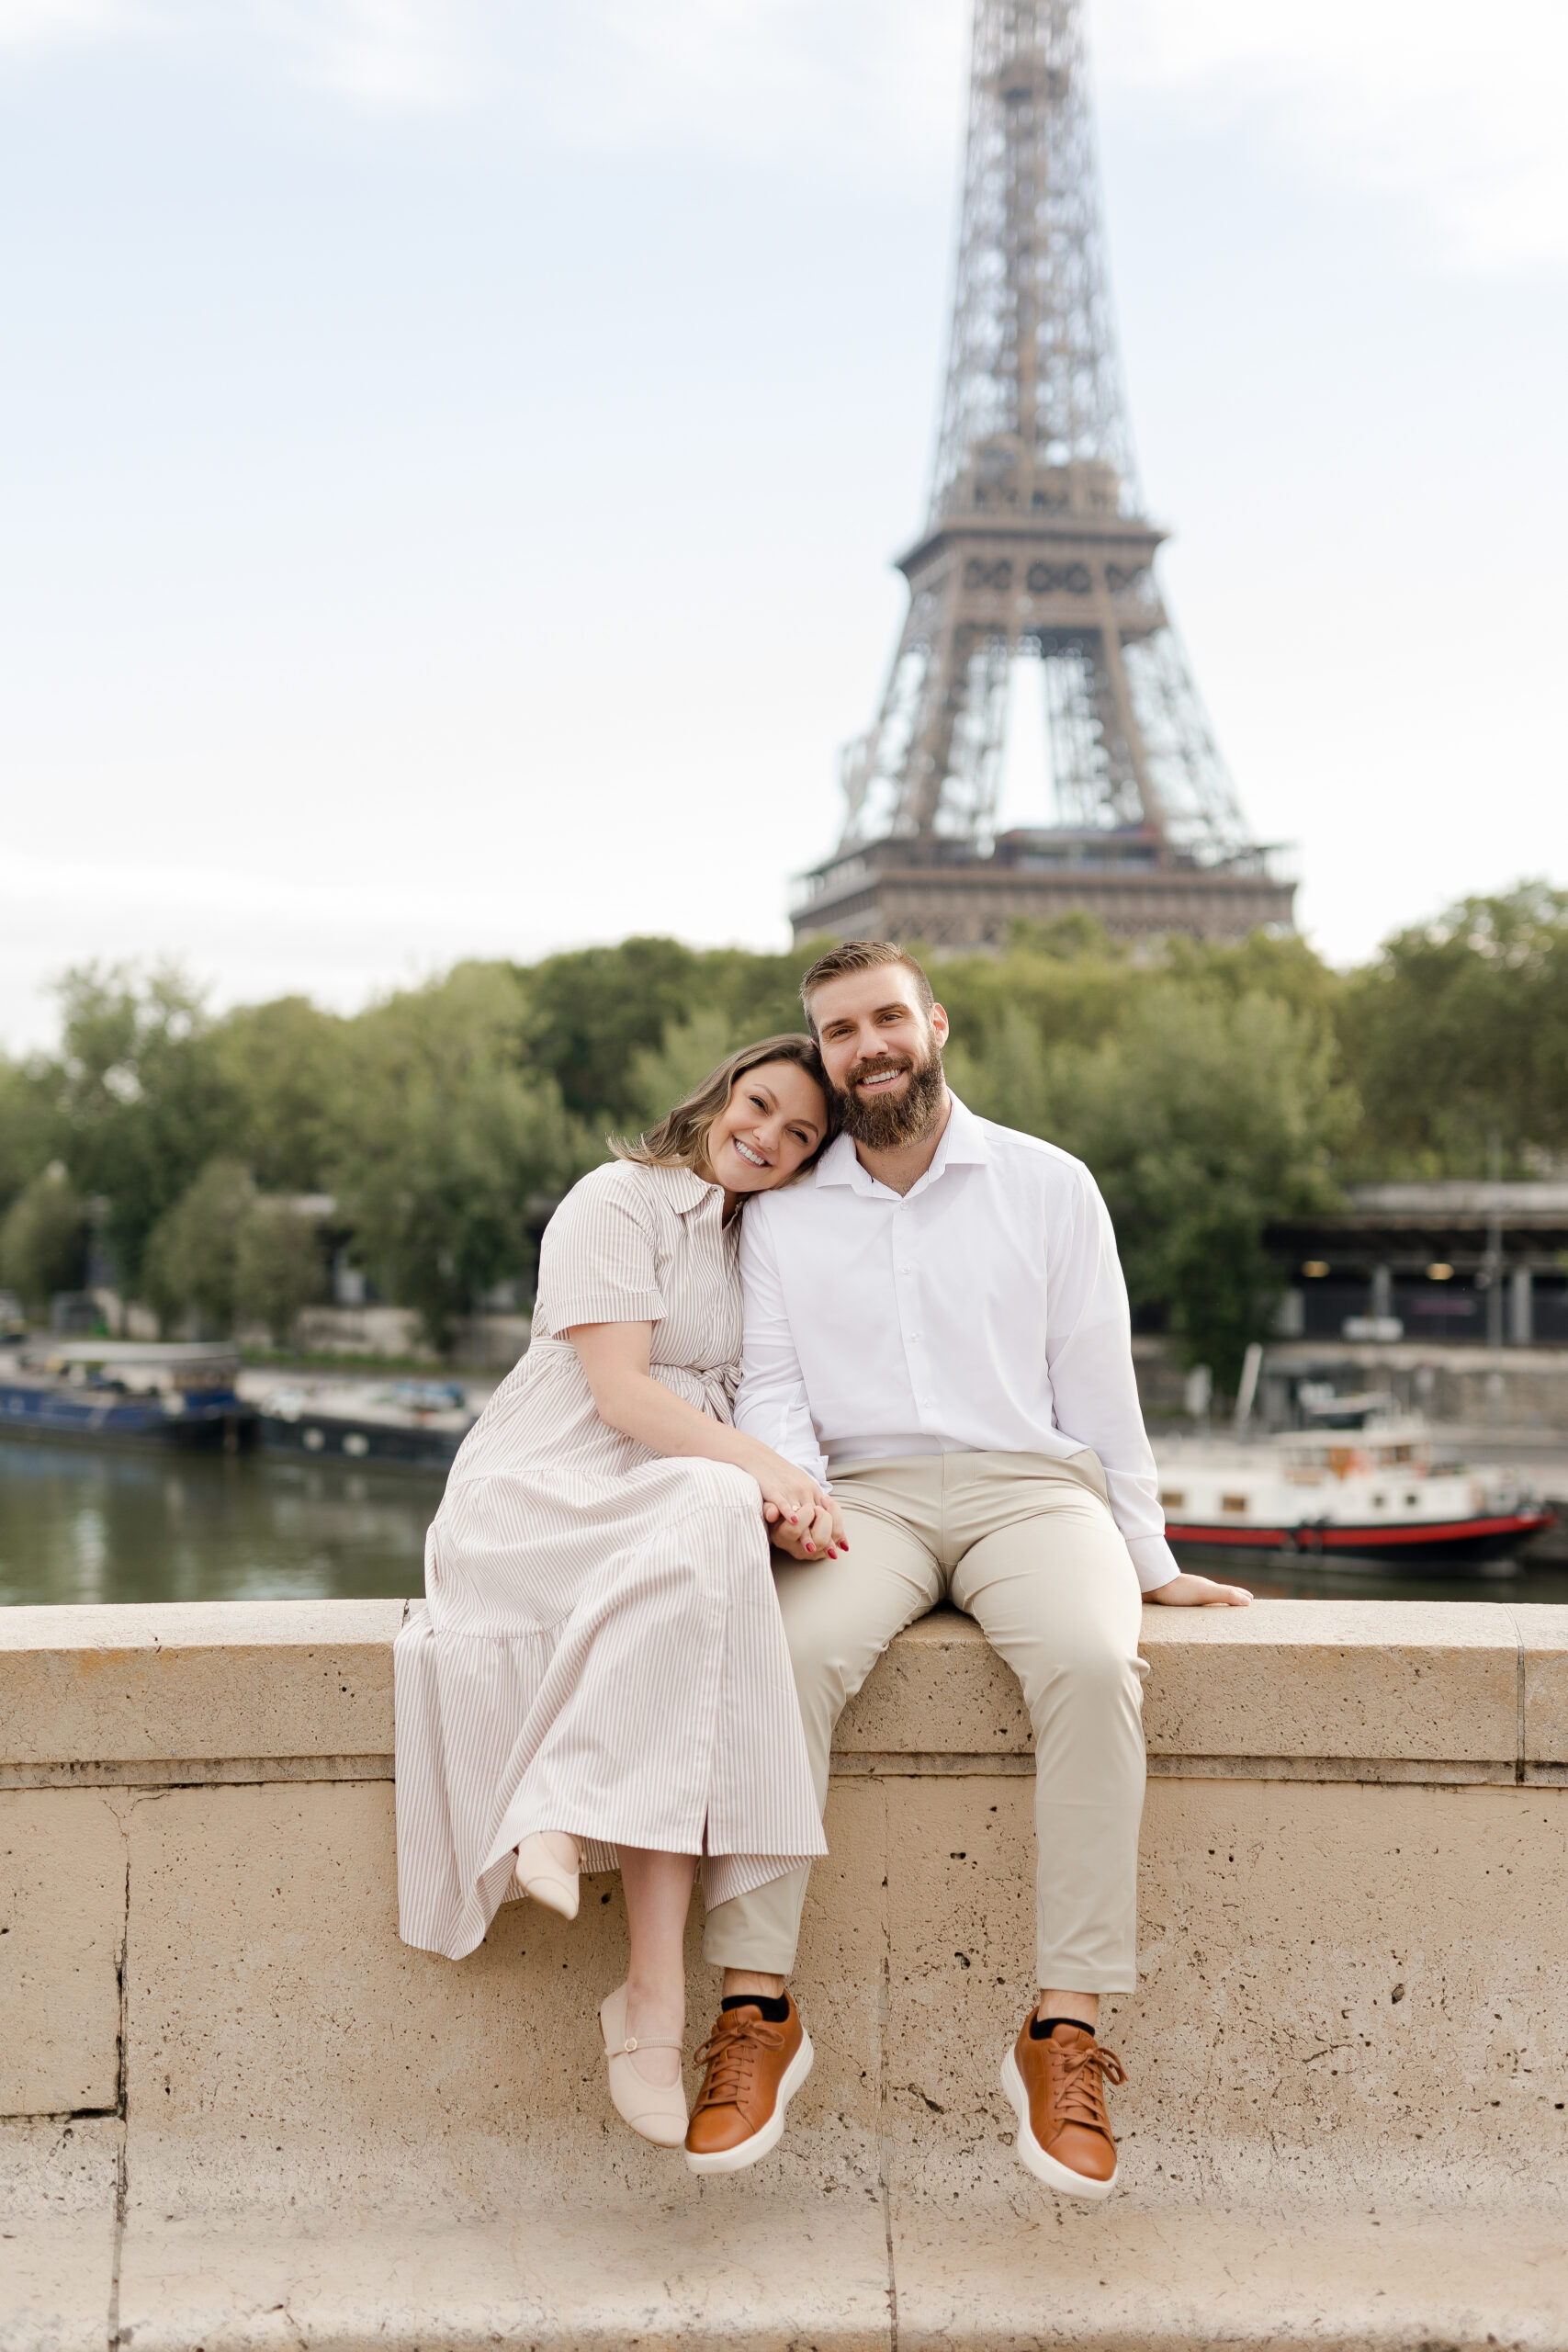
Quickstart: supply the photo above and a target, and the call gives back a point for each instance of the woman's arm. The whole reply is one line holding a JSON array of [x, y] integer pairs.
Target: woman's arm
[[615, 1357]]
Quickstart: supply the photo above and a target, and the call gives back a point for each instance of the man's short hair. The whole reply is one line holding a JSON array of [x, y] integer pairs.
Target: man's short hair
[[862, 955]]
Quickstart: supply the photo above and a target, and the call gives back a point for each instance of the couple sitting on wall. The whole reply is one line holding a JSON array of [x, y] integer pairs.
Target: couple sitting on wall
[[824, 1309]]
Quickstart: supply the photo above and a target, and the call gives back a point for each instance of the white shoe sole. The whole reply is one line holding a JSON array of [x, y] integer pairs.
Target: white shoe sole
[[1033, 2158], [762, 2142]]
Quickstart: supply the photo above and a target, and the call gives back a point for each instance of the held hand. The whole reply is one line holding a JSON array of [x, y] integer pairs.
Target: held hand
[[1199, 1592], [823, 1538], [795, 1509]]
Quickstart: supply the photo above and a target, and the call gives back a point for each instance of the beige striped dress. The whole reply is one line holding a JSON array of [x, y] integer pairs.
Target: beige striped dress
[[600, 1649]]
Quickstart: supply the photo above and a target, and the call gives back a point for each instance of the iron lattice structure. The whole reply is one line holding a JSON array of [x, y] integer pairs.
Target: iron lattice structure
[[1036, 545]]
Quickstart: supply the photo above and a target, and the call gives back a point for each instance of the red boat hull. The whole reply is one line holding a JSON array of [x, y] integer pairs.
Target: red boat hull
[[1430, 1540]]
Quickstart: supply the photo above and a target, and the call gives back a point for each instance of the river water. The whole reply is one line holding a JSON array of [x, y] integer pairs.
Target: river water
[[77, 1525]]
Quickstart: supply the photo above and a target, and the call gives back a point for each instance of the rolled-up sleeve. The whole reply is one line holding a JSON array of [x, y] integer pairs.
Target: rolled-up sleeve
[[1089, 1353], [598, 1261], [771, 1403]]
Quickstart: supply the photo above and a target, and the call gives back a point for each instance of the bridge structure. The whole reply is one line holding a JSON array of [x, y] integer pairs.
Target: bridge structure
[[1037, 547]]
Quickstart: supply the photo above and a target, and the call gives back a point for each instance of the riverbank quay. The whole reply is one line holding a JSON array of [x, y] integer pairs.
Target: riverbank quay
[[240, 2114]]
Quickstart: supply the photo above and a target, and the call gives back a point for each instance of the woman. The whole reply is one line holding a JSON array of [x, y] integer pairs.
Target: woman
[[600, 1673]]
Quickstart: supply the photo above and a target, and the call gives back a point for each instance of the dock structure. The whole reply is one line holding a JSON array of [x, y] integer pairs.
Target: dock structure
[[238, 2112]]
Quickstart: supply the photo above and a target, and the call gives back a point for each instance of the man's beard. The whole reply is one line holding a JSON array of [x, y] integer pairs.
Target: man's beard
[[888, 1122]]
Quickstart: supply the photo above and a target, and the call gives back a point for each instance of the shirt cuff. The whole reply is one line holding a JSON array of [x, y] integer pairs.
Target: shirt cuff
[[1153, 1560]]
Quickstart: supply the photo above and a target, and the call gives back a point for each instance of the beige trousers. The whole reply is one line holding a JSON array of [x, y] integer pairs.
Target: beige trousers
[[1027, 1547]]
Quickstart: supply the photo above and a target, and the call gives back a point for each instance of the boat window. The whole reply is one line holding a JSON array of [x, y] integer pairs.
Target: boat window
[[1171, 1499], [1234, 1504]]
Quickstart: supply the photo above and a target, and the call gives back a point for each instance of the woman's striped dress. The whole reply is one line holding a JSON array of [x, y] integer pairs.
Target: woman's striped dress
[[600, 1649]]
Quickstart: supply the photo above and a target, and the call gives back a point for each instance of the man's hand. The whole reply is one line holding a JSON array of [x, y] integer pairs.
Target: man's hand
[[1196, 1592], [822, 1539]]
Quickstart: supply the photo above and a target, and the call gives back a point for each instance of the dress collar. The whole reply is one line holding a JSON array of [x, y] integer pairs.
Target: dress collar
[[684, 1188]]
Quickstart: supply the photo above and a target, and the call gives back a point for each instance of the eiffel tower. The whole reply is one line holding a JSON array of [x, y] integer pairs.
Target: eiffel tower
[[1037, 545]]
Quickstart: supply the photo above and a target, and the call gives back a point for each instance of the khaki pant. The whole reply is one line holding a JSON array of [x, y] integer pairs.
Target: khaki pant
[[1027, 1547]]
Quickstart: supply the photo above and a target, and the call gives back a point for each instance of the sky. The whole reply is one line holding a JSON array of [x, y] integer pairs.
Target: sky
[[451, 454]]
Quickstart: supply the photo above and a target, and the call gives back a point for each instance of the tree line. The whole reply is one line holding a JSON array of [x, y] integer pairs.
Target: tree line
[[1211, 1089]]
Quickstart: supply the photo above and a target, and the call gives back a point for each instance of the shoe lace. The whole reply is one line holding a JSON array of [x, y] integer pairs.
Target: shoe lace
[[1081, 2076], [729, 2053]]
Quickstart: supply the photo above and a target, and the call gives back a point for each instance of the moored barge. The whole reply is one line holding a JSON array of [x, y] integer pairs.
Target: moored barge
[[126, 1392], [412, 1424], [1375, 1493]]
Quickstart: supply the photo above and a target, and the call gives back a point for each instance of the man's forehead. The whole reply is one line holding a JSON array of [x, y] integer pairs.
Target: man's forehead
[[882, 990]]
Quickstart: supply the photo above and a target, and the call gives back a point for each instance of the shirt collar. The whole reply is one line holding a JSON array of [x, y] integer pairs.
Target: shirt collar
[[962, 1145]]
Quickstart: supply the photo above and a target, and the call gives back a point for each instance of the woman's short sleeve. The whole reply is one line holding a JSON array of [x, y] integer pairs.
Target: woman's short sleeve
[[598, 1261]]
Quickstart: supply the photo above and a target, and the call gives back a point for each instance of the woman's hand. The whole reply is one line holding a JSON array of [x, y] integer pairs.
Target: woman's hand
[[801, 1519], [1199, 1592]]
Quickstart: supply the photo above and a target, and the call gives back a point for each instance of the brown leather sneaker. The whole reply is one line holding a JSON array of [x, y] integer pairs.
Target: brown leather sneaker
[[754, 2069], [1057, 2089]]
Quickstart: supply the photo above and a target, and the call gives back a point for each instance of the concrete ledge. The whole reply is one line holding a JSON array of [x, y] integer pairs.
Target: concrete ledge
[[237, 2114], [303, 1690]]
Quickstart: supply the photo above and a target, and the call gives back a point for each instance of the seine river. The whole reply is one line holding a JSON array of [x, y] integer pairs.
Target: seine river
[[82, 1526]]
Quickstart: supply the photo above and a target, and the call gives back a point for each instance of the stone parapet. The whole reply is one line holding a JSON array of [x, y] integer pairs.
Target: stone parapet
[[238, 2113]]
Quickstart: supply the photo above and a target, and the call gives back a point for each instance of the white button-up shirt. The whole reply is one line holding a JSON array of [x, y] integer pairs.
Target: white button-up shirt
[[982, 1312]]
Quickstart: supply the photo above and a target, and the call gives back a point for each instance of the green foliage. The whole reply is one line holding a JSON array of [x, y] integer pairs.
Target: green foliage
[[656, 1082], [1201, 1122], [280, 1065], [442, 1146], [28, 1126], [141, 1103], [279, 1266], [1211, 1090], [592, 1013], [43, 1238], [193, 1251], [1457, 1033]]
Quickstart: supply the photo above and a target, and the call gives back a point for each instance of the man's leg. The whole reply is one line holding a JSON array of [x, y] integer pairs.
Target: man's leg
[[1056, 1594], [839, 1617]]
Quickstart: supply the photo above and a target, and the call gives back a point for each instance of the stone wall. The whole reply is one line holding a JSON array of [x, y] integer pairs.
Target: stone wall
[[240, 2113]]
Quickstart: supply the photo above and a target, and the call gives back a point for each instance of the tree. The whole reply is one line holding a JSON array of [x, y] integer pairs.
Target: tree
[[139, 1096], [280, 1065], [1458, 1034], [193, 1251], [447, 1156], [1010, 1080], [690, 1051], [1201, 1122], [43, 1238], [30, 1135], [592, 1013], [279, 1266]]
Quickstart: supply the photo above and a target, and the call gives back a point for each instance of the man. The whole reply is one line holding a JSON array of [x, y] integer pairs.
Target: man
[[936, 1322]]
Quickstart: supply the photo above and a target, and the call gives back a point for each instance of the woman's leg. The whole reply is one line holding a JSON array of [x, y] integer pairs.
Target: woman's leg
[[659, 1896]]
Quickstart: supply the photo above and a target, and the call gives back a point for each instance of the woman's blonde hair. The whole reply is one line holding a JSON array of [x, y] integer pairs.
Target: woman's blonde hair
[[680, 1140]]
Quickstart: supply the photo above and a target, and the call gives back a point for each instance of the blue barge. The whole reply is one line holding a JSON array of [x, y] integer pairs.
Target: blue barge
[[126, 1392]]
